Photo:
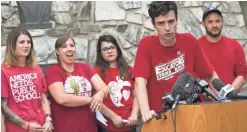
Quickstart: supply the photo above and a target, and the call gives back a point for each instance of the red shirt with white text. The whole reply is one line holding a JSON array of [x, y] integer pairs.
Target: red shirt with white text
[[161, 65], [22, 86]]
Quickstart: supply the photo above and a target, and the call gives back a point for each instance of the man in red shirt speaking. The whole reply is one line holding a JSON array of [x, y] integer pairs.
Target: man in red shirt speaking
[[162, 58]]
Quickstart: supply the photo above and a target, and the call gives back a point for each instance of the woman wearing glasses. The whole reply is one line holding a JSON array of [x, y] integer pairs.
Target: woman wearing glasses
[[120, 107]]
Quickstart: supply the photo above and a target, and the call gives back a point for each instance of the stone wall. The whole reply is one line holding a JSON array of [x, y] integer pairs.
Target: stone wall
[[127, 21]]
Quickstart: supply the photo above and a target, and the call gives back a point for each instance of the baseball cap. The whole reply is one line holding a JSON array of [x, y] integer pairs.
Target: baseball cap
[[209, 10]]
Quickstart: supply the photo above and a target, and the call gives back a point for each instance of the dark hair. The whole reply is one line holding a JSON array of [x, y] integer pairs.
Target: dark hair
[[157, 8], [59, 43], [103, 64], [10, 55]]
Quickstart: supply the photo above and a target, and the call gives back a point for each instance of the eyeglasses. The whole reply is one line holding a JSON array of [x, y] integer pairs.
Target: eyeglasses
[[106, 49]]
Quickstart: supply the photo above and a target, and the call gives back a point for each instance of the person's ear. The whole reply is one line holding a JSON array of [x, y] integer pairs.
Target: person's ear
[[203, 24], [56, 53]]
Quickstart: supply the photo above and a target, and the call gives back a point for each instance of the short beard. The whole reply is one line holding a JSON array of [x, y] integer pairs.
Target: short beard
[[213, 35]]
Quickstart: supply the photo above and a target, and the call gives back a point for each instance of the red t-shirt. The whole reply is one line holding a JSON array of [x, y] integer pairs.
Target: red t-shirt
[[22, 86], [162, 65], [227, 57], [72, 119], [120, 99]]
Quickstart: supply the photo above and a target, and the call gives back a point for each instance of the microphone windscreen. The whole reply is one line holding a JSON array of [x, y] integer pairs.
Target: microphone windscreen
[[218, 84], [183, 85]]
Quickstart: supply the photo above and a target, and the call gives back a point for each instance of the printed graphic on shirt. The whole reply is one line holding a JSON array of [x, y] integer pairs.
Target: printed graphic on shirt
[[78, 85], [116, 93], [23, 87], [169, 69]]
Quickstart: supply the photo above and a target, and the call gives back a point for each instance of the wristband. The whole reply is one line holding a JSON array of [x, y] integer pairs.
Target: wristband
[[47, 115]]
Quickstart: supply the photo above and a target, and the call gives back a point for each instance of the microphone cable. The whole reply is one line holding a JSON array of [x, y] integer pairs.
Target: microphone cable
[[174, 116]]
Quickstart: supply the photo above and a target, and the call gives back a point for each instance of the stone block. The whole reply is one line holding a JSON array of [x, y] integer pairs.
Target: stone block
[[3, 49], [240, 20], [134, 18], [122, 28], [7, 11], [197, 12], [5, 2], [148, 24], [129, 4], [63, 18], [60, 6], [36, 32], [82, 10], [110, 12], [229, 19], [235, 32], [85, 29], [188, 23], [13, 21], [56, 32]]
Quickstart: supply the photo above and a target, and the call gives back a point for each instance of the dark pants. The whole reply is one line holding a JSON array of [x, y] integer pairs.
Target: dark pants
[[101, 129]]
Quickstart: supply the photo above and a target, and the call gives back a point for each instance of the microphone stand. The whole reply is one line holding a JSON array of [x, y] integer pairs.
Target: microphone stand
[[159, 115]]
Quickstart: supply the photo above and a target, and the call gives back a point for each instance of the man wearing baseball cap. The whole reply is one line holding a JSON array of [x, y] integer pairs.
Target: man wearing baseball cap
[[225, 54]]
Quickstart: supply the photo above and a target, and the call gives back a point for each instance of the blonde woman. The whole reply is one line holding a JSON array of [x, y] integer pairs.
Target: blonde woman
[[24, 102]]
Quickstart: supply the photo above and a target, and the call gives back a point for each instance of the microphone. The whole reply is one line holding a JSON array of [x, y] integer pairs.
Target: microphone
[[242, 95], [202, 87], [194, 97], [168, 101], [182, 88], [227, 91]]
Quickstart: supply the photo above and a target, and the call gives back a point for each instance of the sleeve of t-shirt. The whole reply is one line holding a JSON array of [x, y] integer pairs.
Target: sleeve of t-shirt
[[97, 70], [53, 75], [240, 67], [43, 82], [142, 61], [4, 85], [203, 67], [88, 70]]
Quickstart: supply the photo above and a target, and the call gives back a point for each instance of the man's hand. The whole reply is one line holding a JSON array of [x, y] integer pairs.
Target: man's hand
[[148, 115]]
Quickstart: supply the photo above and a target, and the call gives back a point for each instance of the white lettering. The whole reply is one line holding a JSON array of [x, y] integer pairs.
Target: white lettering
[[23, 87], [167, 70]]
